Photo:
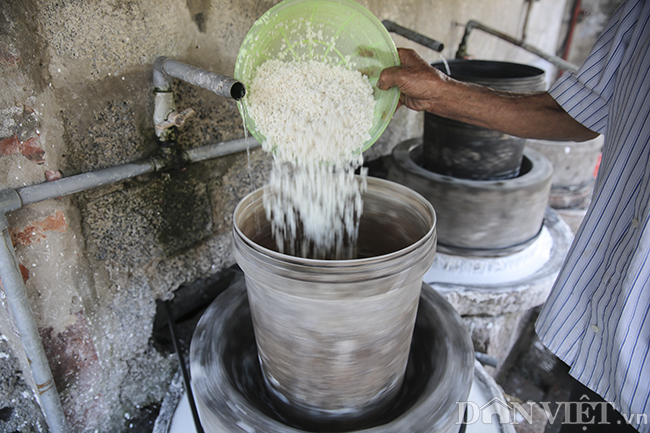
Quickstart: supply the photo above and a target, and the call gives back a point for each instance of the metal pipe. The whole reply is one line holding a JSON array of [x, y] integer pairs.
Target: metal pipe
[[572, 27], [524, 30], [471, 25], [12, 281], [165, 68], [413, 36], [16, 293], [14, 288], [220, 149], [81, 182]]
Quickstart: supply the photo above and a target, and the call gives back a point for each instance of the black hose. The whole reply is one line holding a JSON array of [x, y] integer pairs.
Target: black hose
[[184, 372]]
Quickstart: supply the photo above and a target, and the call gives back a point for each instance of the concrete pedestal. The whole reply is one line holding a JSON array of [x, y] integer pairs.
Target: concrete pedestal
[[493, 295]]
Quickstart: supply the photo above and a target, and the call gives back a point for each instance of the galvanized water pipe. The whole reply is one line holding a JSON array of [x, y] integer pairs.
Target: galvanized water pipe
[[14, 288], [12, 281], [164, 69], [81, 182], [14, 199]]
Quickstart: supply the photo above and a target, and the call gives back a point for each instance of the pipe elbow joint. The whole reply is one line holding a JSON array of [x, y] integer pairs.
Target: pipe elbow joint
[[161, 80], [165, 68], [9, 200], [471, 25]]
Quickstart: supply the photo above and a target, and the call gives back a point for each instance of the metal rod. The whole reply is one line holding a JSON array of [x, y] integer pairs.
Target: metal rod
[[14, 288], [413, 36], [184, 372], [471, 25]]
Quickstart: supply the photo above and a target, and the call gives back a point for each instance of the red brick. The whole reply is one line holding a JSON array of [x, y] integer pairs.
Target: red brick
[[29, 148], [9, 145], [51, 175], [24, 272], [35, 231], [32, 151]]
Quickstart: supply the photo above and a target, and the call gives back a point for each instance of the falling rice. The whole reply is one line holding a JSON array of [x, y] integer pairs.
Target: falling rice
[[315, 119]]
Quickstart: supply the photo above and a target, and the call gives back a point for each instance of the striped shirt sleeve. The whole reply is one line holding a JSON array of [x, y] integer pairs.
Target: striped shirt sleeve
[[597, 316]]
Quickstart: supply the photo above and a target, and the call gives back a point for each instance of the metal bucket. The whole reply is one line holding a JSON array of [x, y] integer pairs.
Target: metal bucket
[[465, 151], [333, 336]]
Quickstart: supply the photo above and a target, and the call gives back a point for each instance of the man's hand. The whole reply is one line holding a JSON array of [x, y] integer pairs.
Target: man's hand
[[419, 82], [522, 114]]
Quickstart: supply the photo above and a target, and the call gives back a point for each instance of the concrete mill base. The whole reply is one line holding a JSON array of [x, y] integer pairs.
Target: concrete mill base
[[494, 294], [486, 217]]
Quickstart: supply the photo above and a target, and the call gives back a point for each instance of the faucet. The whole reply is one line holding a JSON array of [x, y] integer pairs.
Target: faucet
[[165, 116]]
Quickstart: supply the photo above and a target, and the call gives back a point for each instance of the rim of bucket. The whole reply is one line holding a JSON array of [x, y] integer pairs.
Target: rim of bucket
[[496, 74], [490, 69], [381, 119], [299, 261]]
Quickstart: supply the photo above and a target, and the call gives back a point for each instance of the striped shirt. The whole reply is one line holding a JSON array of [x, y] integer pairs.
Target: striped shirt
[[597, 317]]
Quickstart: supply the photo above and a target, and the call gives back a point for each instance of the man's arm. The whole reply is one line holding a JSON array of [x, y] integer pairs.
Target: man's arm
[[528, 115]]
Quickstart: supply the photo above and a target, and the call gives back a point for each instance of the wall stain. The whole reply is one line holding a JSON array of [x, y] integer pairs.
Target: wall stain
[[200, 11]]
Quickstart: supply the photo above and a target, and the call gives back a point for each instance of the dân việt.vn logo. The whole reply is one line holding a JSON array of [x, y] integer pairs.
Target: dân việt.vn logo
[[498, 411]]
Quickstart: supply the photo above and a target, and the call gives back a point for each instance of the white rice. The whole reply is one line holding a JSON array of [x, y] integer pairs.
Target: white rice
[[310, 111], [315, 118]]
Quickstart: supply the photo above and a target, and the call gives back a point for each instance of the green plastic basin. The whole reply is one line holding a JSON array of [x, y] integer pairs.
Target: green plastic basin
[[337, 32]]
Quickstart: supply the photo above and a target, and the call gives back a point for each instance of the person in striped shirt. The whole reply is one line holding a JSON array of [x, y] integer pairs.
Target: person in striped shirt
[[597, 317]]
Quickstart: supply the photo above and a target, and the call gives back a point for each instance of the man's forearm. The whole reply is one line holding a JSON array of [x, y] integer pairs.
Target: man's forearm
[[529, 115]]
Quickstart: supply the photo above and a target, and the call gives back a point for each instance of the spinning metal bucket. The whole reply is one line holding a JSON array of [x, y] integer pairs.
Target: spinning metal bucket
[[333, 336]]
